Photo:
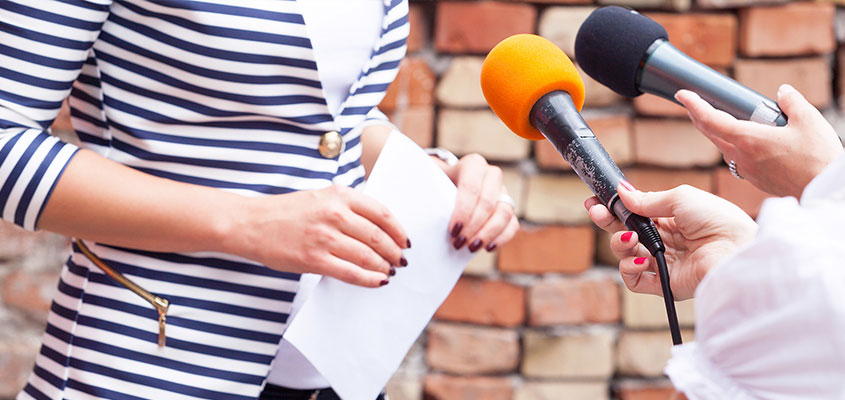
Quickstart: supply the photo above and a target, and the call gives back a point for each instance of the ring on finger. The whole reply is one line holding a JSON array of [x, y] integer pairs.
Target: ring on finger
[[733, 171], [504, 198]]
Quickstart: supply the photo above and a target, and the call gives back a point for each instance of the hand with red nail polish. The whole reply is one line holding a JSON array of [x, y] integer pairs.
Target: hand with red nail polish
[[698, 229], [482, 217]]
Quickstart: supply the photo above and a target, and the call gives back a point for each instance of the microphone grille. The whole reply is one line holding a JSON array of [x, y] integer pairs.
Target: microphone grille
[[612, 42], [519, 71]]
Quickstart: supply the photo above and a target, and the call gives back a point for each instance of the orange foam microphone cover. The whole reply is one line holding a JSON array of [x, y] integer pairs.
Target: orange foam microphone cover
[[520, 70]]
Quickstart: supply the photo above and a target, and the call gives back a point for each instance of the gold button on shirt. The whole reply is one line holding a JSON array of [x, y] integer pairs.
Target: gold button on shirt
[[331, 144]]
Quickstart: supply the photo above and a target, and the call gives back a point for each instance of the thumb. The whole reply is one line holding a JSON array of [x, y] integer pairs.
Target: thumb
[[795, 106], [652, 204]]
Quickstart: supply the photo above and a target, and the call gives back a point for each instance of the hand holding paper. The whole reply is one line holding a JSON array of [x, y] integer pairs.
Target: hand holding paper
[[357, 337]]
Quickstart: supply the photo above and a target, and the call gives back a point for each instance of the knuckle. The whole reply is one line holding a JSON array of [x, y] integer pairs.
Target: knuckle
[[475, 158], [496, 172], [347, 275], [375, 238], [335, 215]]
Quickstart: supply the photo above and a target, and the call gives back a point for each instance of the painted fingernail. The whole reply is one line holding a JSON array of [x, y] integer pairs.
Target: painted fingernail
[[627, 236], [640, 260], [384, 282], [456, 230], [408, 243], [392, 271], [475, 246], [490, 247], [403, 262], [627, 185], [459, 242]]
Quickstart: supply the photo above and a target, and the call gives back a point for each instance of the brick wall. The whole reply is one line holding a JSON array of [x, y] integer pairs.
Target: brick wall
[[546, 317]]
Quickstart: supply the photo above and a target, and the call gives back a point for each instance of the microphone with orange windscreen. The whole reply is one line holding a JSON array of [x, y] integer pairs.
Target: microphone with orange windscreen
[[536, 91]]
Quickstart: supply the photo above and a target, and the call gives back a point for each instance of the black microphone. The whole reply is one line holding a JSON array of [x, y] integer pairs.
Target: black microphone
[[631, 54], [557, 118], [534, 88]]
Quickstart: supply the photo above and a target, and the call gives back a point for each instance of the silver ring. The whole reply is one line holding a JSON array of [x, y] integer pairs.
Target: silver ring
[[732, 168], [504, 198]]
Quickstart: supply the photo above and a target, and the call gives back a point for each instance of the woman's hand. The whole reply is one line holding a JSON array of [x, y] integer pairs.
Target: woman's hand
[[480, 218], [698, 229], [778, 160], [335, 231]]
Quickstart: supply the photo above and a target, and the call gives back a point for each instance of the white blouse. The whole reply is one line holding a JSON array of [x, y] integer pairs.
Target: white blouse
[[770, 321], [342, 33]]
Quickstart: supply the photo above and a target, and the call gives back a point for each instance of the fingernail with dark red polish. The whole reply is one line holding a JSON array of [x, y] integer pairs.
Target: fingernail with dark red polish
[[627, 236], [490, 247], [475, 246], [640, 260], [403, 262], [459, 242], [384, 282], [392, 271], [408, 243], [627, 185], [456, 230]]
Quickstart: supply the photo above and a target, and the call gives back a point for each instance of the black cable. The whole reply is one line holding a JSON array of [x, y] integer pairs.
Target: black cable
[[650, 238], [668, 298]]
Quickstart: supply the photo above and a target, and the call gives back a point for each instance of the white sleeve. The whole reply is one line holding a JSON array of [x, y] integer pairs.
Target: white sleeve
[[770, 321]]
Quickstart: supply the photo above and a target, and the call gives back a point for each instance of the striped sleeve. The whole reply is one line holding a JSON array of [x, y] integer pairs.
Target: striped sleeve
[[43, 45]]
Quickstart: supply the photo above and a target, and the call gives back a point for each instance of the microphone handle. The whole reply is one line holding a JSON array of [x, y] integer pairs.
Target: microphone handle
[[666, 70], [557, 118]]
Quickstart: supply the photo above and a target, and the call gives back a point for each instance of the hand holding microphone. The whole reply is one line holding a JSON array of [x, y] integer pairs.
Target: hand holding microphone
[[778, 160], [630, 53], [535, 90]]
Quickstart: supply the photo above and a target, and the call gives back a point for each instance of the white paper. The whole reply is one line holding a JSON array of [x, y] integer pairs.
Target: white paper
[[357, 337]]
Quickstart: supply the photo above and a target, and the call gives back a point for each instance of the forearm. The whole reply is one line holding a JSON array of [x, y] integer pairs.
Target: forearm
[[101, 200]]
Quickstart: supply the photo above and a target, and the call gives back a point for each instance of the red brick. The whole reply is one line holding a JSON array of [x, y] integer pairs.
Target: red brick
[[562, 249], [418, 18], [655, 179], [472, 350], [413, 86], [708, 38], [486, 302], [647, 393], [416, 122], [811, 76], [447, 387], [672, 143], [475, 27], [574, 301], [614, 133], [739, 192], [649, 104], [62, 122], [797, 28]]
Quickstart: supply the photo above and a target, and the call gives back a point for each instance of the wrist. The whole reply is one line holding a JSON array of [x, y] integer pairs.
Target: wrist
[[231, 227]]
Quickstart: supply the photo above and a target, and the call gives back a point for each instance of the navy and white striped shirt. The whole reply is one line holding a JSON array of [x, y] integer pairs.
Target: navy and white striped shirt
[[220, 93]]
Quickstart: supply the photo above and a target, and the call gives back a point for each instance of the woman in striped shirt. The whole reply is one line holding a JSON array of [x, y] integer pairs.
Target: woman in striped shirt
[[217, 168]]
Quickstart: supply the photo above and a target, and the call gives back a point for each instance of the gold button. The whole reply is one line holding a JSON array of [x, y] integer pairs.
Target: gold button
[[331, 144]]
